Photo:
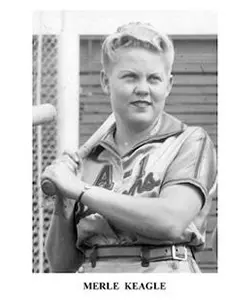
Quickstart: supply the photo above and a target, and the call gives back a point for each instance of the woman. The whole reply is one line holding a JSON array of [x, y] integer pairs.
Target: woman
[[139, 202]]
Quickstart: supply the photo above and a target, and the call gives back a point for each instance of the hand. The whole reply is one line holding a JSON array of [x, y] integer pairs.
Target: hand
[[65, 172], [73, 161]]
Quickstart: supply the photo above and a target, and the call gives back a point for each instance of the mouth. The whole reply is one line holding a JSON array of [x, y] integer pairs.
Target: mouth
[[141, 103]]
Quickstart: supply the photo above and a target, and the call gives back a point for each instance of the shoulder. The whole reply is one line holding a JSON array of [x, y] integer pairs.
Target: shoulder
[[172, 126], [197, 131], [197, 134]]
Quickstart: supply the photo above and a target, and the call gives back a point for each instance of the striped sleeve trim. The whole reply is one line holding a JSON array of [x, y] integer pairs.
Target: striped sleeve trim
[[199, 158]]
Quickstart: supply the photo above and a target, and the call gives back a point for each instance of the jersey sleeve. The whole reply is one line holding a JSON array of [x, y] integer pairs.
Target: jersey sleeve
[[195, 164]]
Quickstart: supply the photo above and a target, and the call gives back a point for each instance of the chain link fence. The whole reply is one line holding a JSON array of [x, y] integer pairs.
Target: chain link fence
[[45, 74]]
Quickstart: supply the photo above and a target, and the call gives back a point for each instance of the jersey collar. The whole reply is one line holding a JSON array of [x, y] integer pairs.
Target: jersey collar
[[169, 126]]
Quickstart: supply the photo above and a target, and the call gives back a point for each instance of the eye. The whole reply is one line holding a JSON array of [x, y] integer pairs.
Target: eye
[[129, 76], [155, 78]]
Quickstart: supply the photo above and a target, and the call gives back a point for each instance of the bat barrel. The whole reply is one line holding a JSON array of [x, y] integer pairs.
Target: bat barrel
[[42, 114]]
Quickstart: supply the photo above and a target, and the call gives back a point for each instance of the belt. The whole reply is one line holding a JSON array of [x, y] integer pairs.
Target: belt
[[145, 253]]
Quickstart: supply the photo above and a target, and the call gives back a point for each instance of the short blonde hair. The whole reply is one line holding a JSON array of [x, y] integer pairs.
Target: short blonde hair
[[137, 35]]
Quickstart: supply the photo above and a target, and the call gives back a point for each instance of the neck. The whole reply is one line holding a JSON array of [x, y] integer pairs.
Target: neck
[[126, 136]]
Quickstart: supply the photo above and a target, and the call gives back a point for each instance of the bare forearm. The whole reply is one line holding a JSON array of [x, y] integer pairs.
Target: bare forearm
[[165, 217], [60, 245], [146, 216]]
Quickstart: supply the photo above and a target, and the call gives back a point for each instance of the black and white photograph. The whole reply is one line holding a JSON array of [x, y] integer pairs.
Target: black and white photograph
[[124, 150], [124, 142]]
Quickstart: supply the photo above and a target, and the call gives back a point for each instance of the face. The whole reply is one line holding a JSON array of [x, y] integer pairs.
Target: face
[[138, 84]]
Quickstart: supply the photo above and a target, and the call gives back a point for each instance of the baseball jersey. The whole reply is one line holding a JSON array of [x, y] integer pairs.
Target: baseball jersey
[[174, 154]]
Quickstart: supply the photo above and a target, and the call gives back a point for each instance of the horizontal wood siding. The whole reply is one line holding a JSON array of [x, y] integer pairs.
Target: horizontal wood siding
[[193, 100]]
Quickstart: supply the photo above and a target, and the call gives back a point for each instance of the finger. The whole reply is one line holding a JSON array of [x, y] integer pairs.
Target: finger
[[79, 161], [80, 165], [73, 155], [73, 160], [64, 166], [72, 165], [66, 160], [78, 157]]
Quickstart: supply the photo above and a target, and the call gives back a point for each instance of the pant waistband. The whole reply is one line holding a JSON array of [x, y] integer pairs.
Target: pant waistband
[[145, 253]]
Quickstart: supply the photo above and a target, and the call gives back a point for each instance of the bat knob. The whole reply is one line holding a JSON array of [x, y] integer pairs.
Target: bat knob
[[48, 187]]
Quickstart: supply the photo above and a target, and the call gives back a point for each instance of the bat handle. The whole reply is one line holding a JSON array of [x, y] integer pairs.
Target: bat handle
[[48, 187]]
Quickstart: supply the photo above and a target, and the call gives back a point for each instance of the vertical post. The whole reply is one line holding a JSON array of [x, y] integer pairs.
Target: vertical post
[[68, 86], [39, 148]]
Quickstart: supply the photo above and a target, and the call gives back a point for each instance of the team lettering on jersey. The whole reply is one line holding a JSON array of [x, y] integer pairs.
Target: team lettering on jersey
[[143, 183], [104, 179]]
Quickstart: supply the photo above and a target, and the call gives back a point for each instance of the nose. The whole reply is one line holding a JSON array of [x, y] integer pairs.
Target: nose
[[142, 88]]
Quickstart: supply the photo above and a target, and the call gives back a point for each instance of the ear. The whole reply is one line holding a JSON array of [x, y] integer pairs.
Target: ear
[[169, 86], [104, 82]]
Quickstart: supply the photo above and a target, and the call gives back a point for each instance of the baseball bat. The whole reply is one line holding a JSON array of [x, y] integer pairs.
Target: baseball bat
[[48, 187], [43, 114]]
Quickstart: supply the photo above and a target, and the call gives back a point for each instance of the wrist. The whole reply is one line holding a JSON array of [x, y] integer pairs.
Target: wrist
[[85, 188]]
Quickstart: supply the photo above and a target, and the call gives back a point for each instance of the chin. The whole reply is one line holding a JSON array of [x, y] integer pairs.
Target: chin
[[140, 121]]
